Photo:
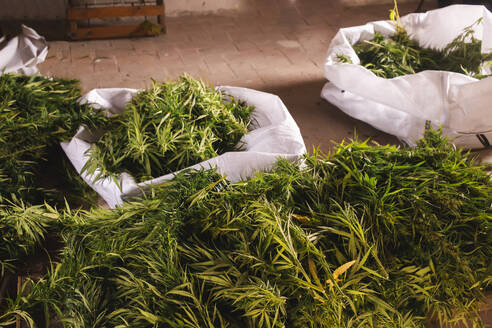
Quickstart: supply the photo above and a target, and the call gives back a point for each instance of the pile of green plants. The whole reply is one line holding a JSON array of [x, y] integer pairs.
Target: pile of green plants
[[23, 229], [368, 236], [399, 55], [36, 113], [169, 127], [23, 232]]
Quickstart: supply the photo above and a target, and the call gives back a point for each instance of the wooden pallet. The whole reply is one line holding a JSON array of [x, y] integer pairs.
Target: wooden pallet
[[116, 31]]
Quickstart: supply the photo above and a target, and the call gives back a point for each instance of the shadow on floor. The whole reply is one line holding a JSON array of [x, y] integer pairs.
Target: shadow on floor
[[321, 123], [50, 29]]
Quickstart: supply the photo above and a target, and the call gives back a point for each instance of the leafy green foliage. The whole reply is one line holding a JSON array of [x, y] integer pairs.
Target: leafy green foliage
[[167, 128], [22, 229], [365, 237], [399, 55], [36, 113], [119, 266]]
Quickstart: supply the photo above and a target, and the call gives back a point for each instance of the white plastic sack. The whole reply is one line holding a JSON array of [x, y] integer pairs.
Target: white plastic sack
[[22, 53], [275, 134], [404, 106]]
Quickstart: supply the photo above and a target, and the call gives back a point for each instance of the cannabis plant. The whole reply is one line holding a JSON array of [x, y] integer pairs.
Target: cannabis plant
[[167, 128], [36, 113], [399, 55], [369, 236]]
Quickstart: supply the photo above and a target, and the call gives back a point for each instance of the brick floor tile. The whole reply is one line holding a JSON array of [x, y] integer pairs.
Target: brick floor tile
[[81, 49], [219, 36], [271, 59], [105, 65], [200, 35], [146, 46], [122, 44], [158, 73], [222, 49], [111, 52], [214, 59], [51, 67], [105, 79], [59, 49], [317, 20], [173, 36], [279, 29], [245, 45], [199, 70], [244, 71], [99, 44], [256, 84], [301, 71], [295, 55], [285, 18], [184, 46], [191, 57], [83, 64], [248, 56], [167, 59], [200, 43], [138, 65], [268, 77], [166, 50], [240, 34], [223, 70]]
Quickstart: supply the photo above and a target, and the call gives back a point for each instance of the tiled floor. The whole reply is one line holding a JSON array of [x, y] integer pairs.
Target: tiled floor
[[277, 46]]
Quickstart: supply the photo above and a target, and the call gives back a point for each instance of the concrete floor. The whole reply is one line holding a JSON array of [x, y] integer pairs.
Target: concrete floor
[[275, 46]]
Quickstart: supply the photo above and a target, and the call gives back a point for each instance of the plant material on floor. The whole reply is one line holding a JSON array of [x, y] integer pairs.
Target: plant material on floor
[[22, 231], [369, 236], [167, 128], [93, 285], [151, 28], [398, 55], [36, 113]]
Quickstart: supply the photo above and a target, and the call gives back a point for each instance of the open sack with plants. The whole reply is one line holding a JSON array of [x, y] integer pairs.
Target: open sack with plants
[[368, 236], [406, 74], [156, 132]]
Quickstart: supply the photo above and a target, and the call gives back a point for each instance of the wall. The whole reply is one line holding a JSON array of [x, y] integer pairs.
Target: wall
[[375, 2], [178, 7], [32, 9], [55, 9]]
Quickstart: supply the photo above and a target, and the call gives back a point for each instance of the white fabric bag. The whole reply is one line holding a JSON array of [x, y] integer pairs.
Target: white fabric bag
[[22, 53], [274, 134], [404, 106]]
